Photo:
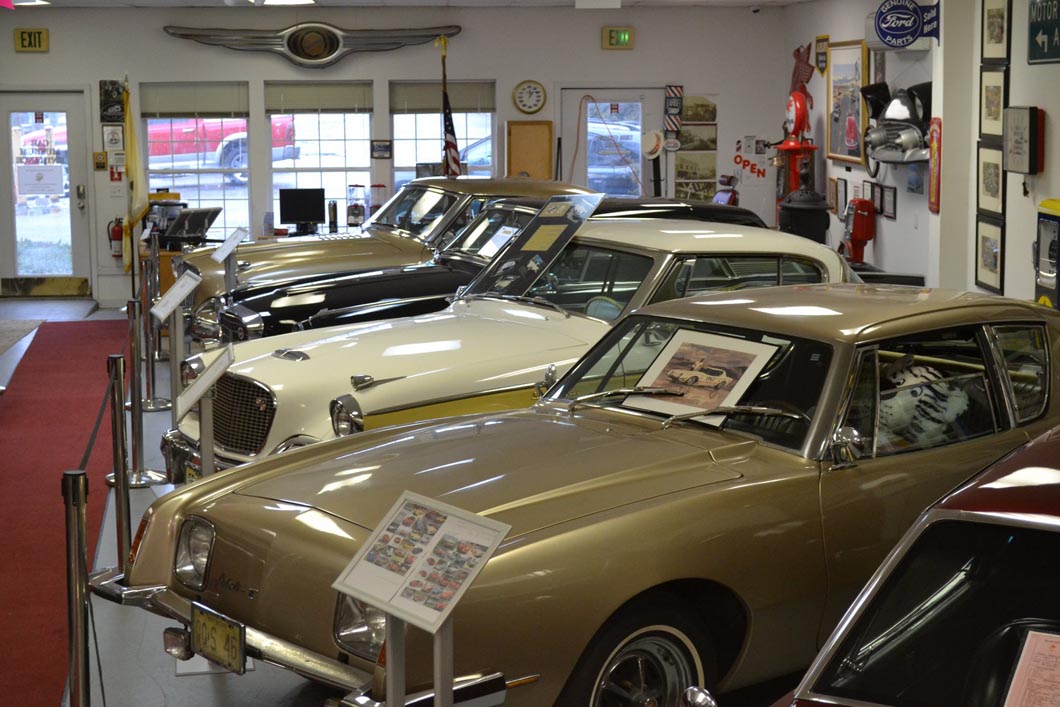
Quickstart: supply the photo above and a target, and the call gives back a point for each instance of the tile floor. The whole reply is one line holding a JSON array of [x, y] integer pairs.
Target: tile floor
[[135, 670]]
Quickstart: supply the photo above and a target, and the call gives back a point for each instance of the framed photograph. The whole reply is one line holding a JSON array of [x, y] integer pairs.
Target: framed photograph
[[997, 16], [382, 149], [830, 196], [990, 253], [698, 109], [889, 202], [697, 191], [847, 73], [990, 182], [697, 166], [877, 198], [993, 97], [698, 137], [113, 137], [840, 196], [866, 189]]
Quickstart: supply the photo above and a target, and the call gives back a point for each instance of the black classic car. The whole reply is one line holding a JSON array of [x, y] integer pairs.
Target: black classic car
[[410, 290]]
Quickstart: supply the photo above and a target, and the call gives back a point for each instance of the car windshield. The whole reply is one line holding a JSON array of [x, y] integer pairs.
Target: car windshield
[[416, 210], [949, 624], [588, 279], [767, 385], [489, 232]]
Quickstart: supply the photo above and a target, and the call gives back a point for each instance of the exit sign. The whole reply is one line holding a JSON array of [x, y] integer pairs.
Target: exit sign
[[616, 38], [31, 40]]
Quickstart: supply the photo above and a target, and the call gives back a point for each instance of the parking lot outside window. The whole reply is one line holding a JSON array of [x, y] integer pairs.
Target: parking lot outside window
[[418, 141]]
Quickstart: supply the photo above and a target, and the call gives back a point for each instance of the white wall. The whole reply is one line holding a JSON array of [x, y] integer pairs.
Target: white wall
[[739, 57]]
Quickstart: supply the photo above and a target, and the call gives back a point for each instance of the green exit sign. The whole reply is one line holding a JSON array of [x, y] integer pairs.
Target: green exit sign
[[616, 38]]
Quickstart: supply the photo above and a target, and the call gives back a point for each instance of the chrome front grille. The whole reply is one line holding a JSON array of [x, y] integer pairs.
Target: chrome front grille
[[243, 411]]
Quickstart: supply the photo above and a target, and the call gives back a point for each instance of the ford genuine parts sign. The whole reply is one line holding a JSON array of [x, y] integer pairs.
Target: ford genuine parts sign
[[899, 23]]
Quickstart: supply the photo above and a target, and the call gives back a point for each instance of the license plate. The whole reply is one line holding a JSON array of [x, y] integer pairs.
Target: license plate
[[191, 473], [218, 638]]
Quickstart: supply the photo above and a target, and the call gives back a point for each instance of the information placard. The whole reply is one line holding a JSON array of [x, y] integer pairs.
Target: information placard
[[1036, 682], [419, 561], [225, 249], [204, 382], [184, 286]]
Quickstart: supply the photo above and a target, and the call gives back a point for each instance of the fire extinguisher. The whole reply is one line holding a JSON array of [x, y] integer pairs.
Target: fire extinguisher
[[114, 234]]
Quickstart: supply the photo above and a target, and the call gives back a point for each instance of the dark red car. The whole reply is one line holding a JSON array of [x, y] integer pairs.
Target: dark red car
[[965, 611]]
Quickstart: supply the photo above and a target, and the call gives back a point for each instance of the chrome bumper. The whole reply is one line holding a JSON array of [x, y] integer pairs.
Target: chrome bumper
[[481, 691], [183, 458]]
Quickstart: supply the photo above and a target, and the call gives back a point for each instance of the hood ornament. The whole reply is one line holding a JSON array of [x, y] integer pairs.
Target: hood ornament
[[312, 44], [362, 381]]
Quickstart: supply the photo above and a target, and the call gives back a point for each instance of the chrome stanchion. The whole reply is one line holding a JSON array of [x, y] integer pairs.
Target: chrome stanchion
[[206, 433], [150, 330], [139, 477], [120, 476], [75, 497], [395, 661], [443, 664], [231, 281], [155, 294], [176, 355]]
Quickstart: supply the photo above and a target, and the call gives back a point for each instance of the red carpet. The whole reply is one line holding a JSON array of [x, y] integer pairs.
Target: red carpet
[[46, 420]]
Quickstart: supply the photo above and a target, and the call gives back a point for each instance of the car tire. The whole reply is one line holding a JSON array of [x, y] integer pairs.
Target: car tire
[[235, 157], [692, 380], [650, 650]]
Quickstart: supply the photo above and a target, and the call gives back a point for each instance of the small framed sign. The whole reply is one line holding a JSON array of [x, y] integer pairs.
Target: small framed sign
[[1024, 142], [382, 149], [113, 137]]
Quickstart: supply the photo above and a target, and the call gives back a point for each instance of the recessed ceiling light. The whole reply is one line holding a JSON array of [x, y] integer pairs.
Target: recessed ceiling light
[[31, 2], [289, 2]]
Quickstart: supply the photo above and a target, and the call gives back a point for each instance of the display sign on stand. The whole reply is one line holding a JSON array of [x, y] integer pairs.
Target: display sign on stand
[[176, 294], [194, 392], [416, 566], [226, 253]]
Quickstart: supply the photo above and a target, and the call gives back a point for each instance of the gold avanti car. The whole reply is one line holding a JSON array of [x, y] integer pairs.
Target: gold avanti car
[[421, 217], [657, 540]]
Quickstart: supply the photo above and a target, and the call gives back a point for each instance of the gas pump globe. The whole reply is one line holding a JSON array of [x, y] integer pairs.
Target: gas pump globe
[[795, 149]]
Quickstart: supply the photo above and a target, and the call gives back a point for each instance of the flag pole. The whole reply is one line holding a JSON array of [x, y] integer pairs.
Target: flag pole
[[450, 151]]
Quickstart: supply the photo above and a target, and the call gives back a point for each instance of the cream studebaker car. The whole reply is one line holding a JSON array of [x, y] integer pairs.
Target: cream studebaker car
[[656, 542], [424, 215], [487, 349]]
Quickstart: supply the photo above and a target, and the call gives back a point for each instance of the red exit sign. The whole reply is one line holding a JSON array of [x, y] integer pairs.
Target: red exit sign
[[616, 38]]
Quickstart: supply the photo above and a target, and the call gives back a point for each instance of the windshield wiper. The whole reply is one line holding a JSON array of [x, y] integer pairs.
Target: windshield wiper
[[540, 301], [736, 410], [638, 390]]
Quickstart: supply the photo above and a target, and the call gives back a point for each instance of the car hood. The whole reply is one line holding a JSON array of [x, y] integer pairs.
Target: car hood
[[529, 468], [468, 347]]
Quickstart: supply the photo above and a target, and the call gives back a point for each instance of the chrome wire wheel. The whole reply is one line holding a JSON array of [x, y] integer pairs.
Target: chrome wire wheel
[[652, 669]]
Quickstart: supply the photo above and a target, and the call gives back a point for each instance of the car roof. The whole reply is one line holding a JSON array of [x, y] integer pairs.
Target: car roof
[[850, 312], [504, 186], [1026, 482], [646, 207], [690, 236]]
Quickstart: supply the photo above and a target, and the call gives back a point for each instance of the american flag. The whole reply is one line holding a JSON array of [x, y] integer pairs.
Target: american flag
[[450, 152]]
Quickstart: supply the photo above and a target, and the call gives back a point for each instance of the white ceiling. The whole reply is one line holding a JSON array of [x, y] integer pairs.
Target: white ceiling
[[420, 3]]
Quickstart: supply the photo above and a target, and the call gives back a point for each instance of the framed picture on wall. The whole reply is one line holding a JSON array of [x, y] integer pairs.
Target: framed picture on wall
[[990, 253], [889, 202], [847, 73], [997, 17], [990, 181], [993, 97], [877, 198], [830, 196], [866, 189], [840, 196]]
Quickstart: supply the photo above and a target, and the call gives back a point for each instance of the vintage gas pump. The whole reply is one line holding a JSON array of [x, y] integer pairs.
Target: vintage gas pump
[[1045, 280], [795, 149], [859, 227]]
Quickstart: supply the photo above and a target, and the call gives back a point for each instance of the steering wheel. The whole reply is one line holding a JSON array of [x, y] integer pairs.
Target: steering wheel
[[605, 308]]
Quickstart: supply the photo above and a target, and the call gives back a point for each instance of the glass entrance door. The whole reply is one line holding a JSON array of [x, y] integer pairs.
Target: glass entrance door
[[602, 131], [45, 250]]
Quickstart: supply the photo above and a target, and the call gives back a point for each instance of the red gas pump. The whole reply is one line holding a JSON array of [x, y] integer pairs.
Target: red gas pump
[[795, 149], [859, 228]]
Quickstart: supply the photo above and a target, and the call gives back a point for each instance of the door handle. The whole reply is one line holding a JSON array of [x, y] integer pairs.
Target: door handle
[[80, 191]]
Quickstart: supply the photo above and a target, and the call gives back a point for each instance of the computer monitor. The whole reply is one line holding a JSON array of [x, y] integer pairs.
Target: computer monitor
[[302, 207]]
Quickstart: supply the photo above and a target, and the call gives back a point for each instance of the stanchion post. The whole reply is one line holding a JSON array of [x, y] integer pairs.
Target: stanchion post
[[206, 433], [156, 294], [176, 355], [395, 661], [150, 331], [139, 477], [75, 497], [230, 272], [120, 476], [443, 664]]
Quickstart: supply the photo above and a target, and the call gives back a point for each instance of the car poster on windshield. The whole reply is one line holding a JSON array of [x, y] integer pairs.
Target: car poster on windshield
[[419, 561], [703, 370]]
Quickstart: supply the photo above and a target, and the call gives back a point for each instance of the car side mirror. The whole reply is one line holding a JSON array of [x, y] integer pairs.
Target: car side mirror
[[847, 447], [697, 697], [541, 387]]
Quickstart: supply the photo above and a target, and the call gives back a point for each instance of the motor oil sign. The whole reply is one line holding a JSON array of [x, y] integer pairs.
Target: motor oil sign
[[1043, 31]]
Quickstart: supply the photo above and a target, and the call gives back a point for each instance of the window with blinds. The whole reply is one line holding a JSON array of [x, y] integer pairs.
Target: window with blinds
[[416, 115]]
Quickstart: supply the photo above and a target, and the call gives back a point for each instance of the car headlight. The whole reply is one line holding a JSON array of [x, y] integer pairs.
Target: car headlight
[[346, 416], [190, 369], [359, 628], [193, 552]]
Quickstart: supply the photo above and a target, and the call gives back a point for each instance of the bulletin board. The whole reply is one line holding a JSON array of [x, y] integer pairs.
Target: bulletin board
[[530, 148]]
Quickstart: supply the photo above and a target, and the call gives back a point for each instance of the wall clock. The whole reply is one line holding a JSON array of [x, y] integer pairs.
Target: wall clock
[[529, 96]]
